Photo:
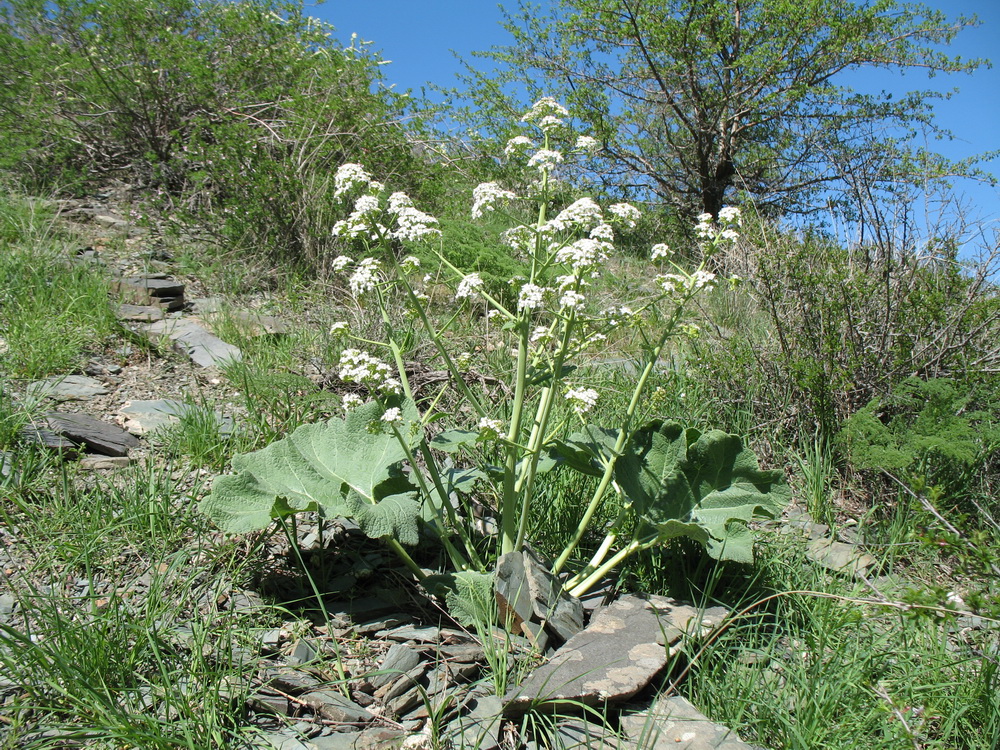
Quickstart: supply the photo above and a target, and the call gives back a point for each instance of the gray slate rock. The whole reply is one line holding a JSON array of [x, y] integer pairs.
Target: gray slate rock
[[48, 439], [840, 557], [333, 706], [622, 650], [99, 437], [141, 313], [530, 598], [397, 660], [95, 463], [67, 388], [674, 723], [146, 417], [189, 337]]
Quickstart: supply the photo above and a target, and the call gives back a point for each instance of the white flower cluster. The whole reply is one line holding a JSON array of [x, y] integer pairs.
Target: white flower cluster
[[673, 282], [467, 286], [583, 214], [584, 253], [411, 224], [729, 218], [362, 218], [348, 177], [366, 276], [530, 297], [625, 213], [545, 160], [339, 329], [486, 196], [545, 107], [519, 238], [550, 123], [357, 366], [490, 427], [571, 300], [581, 400], [586, 144], [660, 250], [392, 415], [518, 145], [350, 401]]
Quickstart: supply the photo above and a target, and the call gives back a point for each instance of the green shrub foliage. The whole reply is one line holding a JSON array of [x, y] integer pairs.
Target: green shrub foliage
[[235, 112]]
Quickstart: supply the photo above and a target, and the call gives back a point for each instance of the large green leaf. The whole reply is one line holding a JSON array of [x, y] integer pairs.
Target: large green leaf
[[706, 487], [587, 450], [322, 466]]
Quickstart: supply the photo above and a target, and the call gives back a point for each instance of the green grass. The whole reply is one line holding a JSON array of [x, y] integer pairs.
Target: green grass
[[52, 311]]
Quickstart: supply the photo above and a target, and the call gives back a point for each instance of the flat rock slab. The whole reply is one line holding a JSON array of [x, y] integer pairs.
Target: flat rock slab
[[146, 417], [46, 438], [67, 388], [94, 463], [194, 340], [140, 313], [622, 650], [100, 437], [676, 724], [840, 557]]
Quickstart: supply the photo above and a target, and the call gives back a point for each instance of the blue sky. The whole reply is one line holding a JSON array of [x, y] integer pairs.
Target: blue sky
[[420, 36]]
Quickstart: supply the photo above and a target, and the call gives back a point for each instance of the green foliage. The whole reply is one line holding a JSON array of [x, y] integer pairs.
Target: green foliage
[[236, 112], [53, 311], [925, 427], [681, 483], [473, 247], [690, 100], [345, 467]]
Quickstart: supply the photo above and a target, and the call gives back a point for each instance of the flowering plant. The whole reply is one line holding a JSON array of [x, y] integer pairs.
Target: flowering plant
[[670, 481]]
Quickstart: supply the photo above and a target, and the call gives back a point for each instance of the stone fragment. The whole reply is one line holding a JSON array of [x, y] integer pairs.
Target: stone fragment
[[401, 684], [67, 388], [480, 728], [95, 463], [149, 289], [48, 439], [140, 313], [529, 597], [577, 734], [674, 723], [291, 681], [839, 557], [397, 660], [340, 741], [189, 337], [380, 738], [413, 633], [303, 652], [100, 437], [110, 221], [333, 706], [617, 655], [146, 417]]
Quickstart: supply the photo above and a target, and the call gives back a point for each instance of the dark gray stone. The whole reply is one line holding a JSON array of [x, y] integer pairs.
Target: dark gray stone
[[49, 440], [141, 313], [146, 290], [397, 660], [333, 706], [840, 557], [529, 598], [100, 437], [625, 646], [67, 388]]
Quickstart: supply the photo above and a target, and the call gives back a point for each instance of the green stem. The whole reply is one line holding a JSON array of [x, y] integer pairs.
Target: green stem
[[623, 434], [581, 588]]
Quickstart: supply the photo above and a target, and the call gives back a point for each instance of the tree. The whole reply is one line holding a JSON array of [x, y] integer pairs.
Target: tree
[[692, 99]]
